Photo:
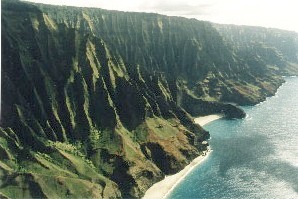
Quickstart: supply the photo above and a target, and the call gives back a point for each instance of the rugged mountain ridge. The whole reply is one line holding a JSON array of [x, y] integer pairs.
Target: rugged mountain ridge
[[195, 51], [101, 100]]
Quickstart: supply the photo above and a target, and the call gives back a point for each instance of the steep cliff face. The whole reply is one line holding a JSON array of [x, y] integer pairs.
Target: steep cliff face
[[191, 54], [97, 103], [79, 116]]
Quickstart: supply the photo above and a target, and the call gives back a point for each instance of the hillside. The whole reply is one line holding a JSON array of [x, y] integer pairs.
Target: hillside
[[100, 104]]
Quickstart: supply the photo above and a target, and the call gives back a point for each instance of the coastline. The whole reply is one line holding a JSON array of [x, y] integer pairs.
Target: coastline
[[207, 119], [163, 188]]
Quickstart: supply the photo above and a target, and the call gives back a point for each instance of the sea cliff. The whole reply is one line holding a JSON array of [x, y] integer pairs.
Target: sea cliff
[[99, 103]]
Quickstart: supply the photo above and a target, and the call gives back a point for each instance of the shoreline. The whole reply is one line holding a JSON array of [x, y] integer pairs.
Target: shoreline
[[163, 188], [207, 119]]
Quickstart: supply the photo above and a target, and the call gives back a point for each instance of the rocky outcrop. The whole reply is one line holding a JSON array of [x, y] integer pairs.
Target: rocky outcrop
[[102, 100]]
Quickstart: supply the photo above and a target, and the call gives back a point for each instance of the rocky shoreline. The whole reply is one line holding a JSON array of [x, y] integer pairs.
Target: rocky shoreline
[[162, 189]]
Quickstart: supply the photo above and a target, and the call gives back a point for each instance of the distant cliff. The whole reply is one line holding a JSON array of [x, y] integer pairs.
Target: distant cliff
[[99, 103], [275, 48]]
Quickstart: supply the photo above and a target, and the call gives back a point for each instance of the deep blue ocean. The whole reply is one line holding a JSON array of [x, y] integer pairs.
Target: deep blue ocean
[[256, 157]]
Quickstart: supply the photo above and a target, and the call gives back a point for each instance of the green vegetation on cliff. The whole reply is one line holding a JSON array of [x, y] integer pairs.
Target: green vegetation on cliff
[[98, 103]]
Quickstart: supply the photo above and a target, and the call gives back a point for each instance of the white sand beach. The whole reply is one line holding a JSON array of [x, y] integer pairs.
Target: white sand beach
[[161, 189], [206, 119]]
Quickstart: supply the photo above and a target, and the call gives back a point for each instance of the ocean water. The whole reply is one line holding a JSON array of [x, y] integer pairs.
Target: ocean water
[[256, 157]]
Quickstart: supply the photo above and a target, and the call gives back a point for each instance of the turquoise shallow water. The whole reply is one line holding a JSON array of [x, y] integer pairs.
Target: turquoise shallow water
[[253, 158]]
